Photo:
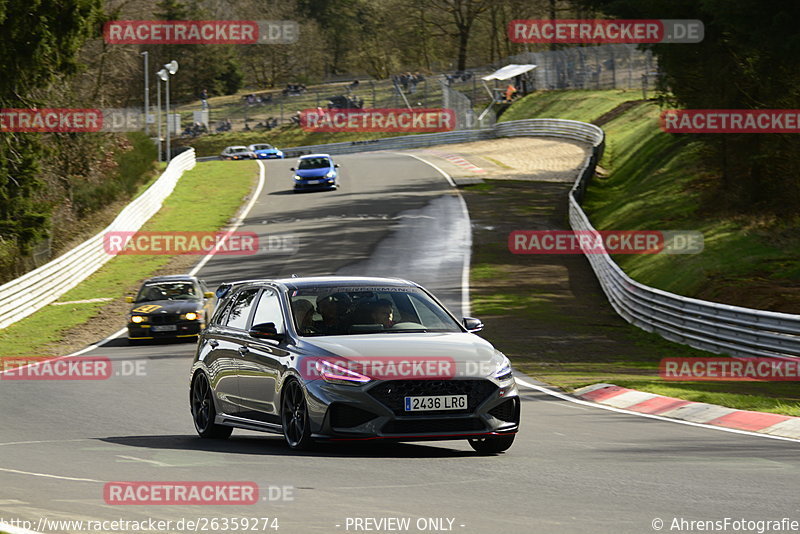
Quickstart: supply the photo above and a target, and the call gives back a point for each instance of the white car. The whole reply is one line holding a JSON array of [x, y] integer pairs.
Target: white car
[[237, 152]]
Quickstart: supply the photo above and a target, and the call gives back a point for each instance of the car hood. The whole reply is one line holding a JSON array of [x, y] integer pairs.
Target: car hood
[[156, 307], [267, 151], [312, 173], [472, 355]]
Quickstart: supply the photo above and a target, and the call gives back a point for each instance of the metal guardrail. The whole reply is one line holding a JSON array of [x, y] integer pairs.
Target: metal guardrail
[[38, 288], [709, 326]]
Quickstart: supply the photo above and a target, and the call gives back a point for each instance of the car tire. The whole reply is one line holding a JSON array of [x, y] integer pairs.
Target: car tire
[[203, 410], [295, 420], [492, 445]]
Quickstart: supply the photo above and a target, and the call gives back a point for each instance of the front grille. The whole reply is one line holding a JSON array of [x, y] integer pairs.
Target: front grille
[[428, 426], [393, 392], [506, 411], [346, 416], [164, 318]]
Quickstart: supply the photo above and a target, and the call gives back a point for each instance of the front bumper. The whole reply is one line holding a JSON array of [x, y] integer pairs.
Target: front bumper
[[374, 411], [182, 329], [323, 183]]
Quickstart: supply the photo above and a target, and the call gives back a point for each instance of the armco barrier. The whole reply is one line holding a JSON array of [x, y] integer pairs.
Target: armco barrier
[[710, 326], [38, 288]]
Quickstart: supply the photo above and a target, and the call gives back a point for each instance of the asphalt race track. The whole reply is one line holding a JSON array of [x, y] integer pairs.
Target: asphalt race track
[[572, 469]]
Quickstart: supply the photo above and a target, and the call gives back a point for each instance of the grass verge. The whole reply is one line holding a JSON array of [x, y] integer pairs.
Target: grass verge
[[550, 316], [186, 209], [586, 106], [549, 313]]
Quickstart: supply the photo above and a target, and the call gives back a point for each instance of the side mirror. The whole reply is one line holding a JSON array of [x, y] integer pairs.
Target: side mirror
[[265, 331], [208, 294], [129, 300], [472, 324], [335, 165], [291, 168]]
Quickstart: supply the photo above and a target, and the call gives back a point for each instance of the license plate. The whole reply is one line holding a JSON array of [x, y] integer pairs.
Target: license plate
[[436, 402], [312, 182], [164, 328]]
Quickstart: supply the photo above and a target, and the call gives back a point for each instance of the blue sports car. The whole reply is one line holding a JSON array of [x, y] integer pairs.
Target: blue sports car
[[265, 151], [315, 171]]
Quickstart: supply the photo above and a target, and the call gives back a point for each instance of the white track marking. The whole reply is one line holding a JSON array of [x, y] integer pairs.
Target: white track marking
[[568, 398], [238, 222], [46, 475], [135, 459]]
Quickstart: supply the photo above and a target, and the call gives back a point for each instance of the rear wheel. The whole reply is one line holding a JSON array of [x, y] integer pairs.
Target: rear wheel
[[294, 417], [492, 445], [204, 412]]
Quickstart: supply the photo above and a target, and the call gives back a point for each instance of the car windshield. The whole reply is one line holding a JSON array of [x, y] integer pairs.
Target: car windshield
[[262, 147], [352, 310], [167, 291], [314, 163]]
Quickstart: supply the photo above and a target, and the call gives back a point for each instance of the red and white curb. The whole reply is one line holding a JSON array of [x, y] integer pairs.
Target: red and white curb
[[455, 159], [695, 412]]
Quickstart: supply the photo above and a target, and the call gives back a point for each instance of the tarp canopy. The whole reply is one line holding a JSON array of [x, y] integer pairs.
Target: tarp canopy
[[509, 71]]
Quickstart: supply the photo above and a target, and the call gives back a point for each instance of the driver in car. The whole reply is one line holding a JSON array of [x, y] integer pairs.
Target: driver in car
[[333, 309], [383, 312]]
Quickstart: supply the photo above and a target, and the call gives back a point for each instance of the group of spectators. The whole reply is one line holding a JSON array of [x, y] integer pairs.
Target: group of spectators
[[268, 124], [254, 99], [194, 130], [408, 82], [294, 89], [458, 76]]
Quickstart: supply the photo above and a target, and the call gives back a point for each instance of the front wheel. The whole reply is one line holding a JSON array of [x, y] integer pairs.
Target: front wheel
[[492, 445], [294, 417], [204, 412]]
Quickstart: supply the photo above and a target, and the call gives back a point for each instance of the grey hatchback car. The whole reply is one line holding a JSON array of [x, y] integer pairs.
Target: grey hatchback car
[[347, 358]]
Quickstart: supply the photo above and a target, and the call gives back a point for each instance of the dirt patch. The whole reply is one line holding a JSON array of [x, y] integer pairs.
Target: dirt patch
[[616, 112], [517, 158]]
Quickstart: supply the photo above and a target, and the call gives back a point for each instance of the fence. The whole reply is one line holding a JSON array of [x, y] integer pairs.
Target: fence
[[609, 66], [38, 288]]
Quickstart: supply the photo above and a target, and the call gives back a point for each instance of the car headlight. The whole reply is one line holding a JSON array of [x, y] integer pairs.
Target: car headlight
[[191, 316], [331, 174], [503, 371], [138, 319], [297, 177], [336, 374]]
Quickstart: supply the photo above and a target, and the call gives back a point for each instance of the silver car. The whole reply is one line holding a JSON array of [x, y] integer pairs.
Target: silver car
[[345, 358]]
